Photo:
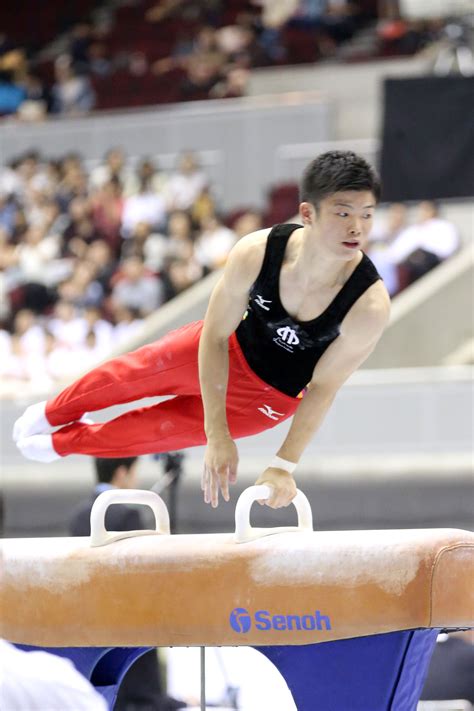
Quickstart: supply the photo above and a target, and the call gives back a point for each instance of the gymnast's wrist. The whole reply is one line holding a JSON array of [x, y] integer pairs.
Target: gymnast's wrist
[[284, 464]]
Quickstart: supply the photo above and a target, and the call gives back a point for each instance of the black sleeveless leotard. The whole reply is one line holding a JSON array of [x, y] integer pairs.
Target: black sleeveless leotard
[[281, 350]]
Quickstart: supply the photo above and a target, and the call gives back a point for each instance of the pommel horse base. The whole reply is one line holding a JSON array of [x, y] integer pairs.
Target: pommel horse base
[[350, 619]]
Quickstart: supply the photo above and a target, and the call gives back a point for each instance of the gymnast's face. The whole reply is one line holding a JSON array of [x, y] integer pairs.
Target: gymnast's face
[[343, 221]]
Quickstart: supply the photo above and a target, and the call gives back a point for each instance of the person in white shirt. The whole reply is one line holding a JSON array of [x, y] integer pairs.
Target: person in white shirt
[[214, 243], [185, 186], [113, 166], [146, 206], [383, 235], [137, 288], [67, 326], [422, 246], [36, 681]]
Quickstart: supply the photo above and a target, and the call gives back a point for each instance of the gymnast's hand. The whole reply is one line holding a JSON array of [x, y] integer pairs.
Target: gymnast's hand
[[282, 484], [220, 469]]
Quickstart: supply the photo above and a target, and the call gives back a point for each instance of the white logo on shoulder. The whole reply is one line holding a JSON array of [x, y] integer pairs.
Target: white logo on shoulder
[[269, 412], [287, 338], [260, 301]]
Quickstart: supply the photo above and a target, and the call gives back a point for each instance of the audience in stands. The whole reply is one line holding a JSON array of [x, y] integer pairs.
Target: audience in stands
[[72, 94], [85, 257], [136, 54], [405, 253]]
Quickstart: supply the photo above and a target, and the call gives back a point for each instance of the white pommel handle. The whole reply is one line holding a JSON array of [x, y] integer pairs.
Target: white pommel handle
[[244, 531], [101, 537]]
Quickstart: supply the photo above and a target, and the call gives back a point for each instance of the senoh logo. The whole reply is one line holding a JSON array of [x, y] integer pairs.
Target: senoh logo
[[241, 621]]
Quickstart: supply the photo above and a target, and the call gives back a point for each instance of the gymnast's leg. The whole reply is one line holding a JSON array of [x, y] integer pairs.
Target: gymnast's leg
[[177, 423], [166, 367]]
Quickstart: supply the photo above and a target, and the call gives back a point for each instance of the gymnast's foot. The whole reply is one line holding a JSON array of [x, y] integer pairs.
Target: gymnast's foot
[[38, 447], [33, 421]]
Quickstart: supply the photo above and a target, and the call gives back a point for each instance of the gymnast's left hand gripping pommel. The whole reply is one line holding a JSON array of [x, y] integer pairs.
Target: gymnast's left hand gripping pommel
[[244, 532]]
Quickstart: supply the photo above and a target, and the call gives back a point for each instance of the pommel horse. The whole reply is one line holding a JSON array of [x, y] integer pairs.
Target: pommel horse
[[349, 618]]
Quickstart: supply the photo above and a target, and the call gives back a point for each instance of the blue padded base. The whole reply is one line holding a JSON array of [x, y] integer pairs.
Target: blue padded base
[[382, 672]]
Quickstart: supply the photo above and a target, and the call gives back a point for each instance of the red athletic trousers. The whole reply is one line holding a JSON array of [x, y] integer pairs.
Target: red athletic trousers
[[167, 367]]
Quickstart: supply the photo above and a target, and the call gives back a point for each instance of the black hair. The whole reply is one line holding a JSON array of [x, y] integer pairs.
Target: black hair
[[105, 469], [334, 172]]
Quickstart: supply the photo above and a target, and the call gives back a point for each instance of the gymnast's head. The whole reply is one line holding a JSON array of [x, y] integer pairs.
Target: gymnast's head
[[338, 194], [119, 472]]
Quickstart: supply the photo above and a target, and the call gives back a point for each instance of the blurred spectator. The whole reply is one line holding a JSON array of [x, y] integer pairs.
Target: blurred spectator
[[150, 246], [23, 351], [243, 222], [82, 289], [127, 323], [98, 60], [72, 94], [36, 97], [204, 206], [183, 273], [180, 235], [64, 362], [68, 328], [423, 245], [112, 168], [102, 329], [11, 94], [233, 85], [8, 212], [10, 181], [81, 231], [101, 255], [35, 254], [81, 38], [383, 234], [186, 184], [146, 206], [184, 53], [107, 205], [149, 173], [135, 288], [38, 680], [275, 13], [73, 181], [214, 243], [202, 75]]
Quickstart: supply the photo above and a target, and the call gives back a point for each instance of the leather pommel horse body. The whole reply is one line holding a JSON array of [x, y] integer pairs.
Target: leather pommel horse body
[[310, 601]]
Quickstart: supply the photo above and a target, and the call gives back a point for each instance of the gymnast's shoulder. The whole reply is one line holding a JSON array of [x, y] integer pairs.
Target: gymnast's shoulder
[[246, 257], [370, 314]]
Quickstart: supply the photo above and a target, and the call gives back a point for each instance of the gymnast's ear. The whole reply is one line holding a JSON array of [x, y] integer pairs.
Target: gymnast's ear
[[307, 213]]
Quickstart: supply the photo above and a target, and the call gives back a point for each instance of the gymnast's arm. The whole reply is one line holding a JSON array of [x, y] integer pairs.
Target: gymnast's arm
[[360, 331], [227, 305]]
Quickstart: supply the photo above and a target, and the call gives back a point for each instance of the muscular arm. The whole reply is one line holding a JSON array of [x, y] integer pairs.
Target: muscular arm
[[360, 331], [226, 307]]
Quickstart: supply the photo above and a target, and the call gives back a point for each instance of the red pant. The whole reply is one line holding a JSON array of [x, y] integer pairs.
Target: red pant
[[167, 367]]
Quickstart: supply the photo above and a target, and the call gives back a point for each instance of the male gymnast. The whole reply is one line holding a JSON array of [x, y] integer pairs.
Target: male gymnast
[[297, 310]]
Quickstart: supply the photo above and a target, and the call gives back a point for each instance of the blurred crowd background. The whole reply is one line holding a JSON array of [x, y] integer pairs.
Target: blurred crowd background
[[86, 54]]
